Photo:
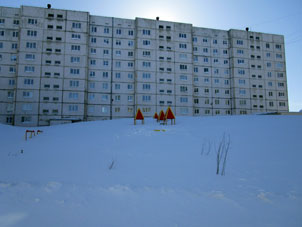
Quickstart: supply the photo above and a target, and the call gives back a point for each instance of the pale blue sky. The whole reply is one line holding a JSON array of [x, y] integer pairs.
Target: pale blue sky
[[269, 16]]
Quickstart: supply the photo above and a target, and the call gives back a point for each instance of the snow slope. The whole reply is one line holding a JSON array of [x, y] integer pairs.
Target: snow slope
[[112, 173]]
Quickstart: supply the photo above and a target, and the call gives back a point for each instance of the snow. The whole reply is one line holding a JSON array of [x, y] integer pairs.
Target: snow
[[114, 173]]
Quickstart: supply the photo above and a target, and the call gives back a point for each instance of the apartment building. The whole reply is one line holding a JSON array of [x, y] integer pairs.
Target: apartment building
[[62, 65]]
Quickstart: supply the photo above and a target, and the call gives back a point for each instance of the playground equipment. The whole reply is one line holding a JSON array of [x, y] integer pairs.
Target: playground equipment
[[139, 116], [32, 133], [170, 115], [155, 116]]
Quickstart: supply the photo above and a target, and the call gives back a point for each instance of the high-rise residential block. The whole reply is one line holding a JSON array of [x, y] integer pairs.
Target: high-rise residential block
[[63, 65]]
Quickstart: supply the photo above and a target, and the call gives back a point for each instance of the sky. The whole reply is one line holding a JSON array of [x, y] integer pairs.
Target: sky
[[268, 16]]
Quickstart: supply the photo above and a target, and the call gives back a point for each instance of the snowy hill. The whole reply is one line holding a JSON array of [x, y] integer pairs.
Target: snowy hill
[[112, 173]]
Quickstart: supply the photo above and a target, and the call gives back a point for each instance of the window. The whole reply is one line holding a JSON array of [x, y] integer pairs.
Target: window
[[74, 59], [31, 33], [76, 47], [91, 96], [10, 94], [206, 70], [106, 30], [118, 64], [93, 29], [146, 86], [15, 34], [278, 46], [130, 53], [242, 91], [106, 41], [11, 82], [104, 97], [279, 56], [27, 107], [105, 63], [146, 53], [16, 22], [26, 119], [241, 71], [146, 75], [240, 61], [73, 95], [205, 50], [74, 83], [146, 42], [117, 86], [146, 64], [183, 77], [105, 52], [74, 71], [183, 67], [13, 58], [184, 110], [146, 98], [146, 32], [241, 81], [183, 99], [130, 86], [92, 73], [118, 31], [105, 74], [76, 25], [104, 109], [183, 46], [239, 51], [130, 32], [117, 75], [131, 43], [130, 76], [91, 85], [2, 21], [279, 65], [73, 108], [29, 69], [118, 42], [239, 42], [183, 88], [182, 35], [12, 69], [93, 39], [92, 62], [75, 36], [14, 45]]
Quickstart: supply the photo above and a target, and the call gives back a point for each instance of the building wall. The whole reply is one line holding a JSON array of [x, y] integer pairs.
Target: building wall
[[70, 65]]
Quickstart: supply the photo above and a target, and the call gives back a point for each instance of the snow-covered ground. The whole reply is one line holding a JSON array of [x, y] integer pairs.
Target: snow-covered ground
[[112, 173]]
